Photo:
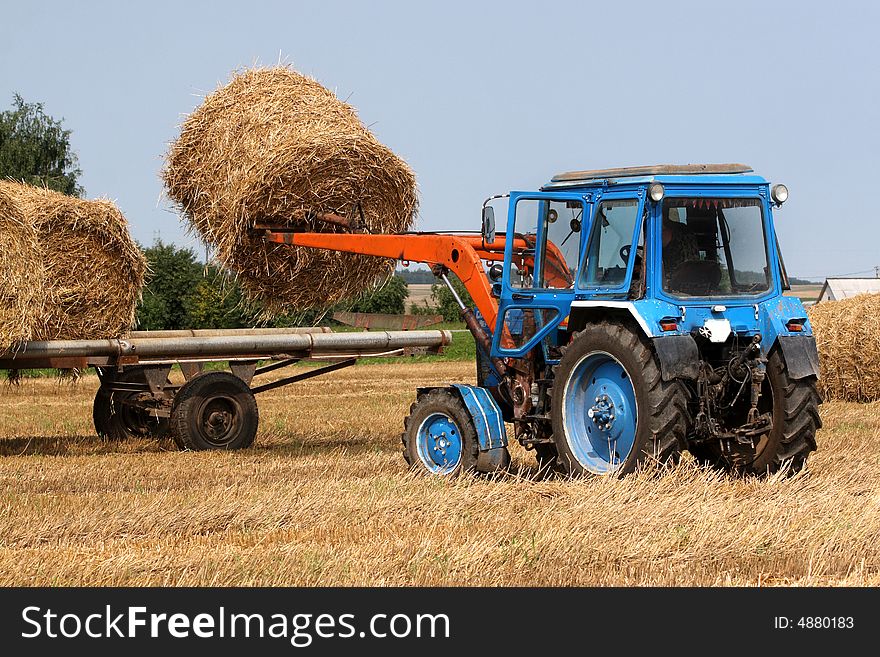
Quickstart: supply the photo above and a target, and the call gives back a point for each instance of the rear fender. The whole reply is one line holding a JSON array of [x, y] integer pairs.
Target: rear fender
[[800, 355], [679, 357], [678, 353]]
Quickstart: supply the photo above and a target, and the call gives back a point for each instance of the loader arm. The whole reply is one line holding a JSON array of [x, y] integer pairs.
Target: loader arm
[[461, 254], [556, 271], [455, 252]]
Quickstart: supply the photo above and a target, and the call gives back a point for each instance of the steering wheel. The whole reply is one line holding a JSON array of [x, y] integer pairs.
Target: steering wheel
[[624, 252]]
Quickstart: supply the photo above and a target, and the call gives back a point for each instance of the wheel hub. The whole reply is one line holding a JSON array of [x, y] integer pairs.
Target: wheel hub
[[599, 412], [439, 443], [442, 443], [218, 423], [602, 412]]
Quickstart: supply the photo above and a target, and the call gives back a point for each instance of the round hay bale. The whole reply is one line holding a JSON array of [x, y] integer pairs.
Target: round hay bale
[[848, 337], [93, 270], [270, 147], [21, 271]]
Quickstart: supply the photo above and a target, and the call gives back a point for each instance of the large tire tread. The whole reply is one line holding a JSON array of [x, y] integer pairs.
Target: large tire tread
[[667, 421]]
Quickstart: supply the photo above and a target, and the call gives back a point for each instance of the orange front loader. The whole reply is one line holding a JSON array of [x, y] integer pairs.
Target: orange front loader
[[460, 254]]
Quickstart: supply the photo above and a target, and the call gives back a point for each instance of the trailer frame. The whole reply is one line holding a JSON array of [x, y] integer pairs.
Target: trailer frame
[[137, 397]]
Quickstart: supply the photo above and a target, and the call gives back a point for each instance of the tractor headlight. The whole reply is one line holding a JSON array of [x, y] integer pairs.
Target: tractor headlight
[[656, 191], [779, 194]]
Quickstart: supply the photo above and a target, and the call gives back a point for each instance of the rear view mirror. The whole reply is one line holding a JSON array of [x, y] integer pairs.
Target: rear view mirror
[[488, 229]]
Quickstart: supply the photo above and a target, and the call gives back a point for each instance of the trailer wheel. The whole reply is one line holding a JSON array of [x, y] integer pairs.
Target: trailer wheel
[[215, 410], [611, 409], [116, 420], [795, 410], [439, 437]]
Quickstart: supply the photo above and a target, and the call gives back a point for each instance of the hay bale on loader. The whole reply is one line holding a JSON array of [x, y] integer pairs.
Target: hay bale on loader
[[21, 273], [848, 337], [273, 146], [92, 270]]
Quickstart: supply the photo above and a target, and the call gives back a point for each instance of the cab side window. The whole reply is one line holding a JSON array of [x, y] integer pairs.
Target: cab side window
[[553, 263], [610, 243]]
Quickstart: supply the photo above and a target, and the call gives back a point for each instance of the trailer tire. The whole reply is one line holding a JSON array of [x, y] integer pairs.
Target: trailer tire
[[612, 369], [215, 410], [432, 415], [115, 420]]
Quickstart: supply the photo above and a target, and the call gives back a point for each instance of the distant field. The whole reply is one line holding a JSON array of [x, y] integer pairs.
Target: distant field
[[419, 293], [806, 293], [324, 498]]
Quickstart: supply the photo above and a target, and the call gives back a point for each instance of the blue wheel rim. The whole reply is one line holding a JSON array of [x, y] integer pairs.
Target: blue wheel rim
[[438, 442], [600, 413]]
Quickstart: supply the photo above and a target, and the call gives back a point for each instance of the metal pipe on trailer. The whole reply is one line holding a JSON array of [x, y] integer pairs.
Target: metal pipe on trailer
[[313, 345]]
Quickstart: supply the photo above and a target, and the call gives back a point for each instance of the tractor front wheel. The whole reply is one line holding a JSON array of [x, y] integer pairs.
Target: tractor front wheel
[[439, 437]]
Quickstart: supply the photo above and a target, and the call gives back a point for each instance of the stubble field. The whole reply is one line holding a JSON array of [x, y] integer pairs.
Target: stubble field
[[324, 498]]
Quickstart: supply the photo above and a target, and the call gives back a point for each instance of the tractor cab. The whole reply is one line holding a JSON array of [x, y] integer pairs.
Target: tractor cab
[[678, 265], [652, 242]]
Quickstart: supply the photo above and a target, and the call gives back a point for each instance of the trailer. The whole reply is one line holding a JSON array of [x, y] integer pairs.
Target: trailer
[[212, 408]]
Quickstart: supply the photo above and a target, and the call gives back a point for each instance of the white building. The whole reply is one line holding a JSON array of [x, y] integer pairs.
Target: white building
[[836, 289]]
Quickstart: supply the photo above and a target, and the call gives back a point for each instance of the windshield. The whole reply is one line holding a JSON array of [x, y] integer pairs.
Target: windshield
[[714, 247]]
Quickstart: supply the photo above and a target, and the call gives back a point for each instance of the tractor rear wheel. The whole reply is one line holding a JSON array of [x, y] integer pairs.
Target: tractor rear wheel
[[795, 412], [439, 437], [215, 410], [611, 408]]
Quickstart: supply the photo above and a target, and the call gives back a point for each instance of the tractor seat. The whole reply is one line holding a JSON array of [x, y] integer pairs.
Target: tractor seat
[[696, 277]]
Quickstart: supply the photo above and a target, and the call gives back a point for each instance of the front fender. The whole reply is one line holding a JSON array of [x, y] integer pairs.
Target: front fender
[[484, 412]]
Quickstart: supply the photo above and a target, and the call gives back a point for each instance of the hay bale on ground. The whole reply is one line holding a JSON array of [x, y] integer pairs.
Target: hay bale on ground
[[271, 146], [848, 337], [21, 273], [93, 270]]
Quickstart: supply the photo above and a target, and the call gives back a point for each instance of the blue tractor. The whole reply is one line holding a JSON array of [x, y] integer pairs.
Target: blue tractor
[[626, 315], [640, 314]]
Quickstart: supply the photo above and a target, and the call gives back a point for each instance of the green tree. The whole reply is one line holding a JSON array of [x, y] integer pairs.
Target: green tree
[[35, 148], [215, 302], [389, 299], [175, 275], [445, 302]]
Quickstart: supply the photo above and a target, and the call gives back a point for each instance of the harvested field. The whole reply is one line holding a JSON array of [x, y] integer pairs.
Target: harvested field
[[848, 337], [323, 498], [86, 270], [272, 147]]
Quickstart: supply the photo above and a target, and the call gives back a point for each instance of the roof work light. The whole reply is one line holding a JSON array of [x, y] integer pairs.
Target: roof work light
[[655, 191], [779, 194]]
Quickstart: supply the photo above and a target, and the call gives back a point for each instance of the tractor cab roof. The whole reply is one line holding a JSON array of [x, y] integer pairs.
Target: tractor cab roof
[[671, 173]]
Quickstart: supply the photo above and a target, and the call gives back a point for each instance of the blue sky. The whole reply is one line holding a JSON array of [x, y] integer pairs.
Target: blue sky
[[480, 98]]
